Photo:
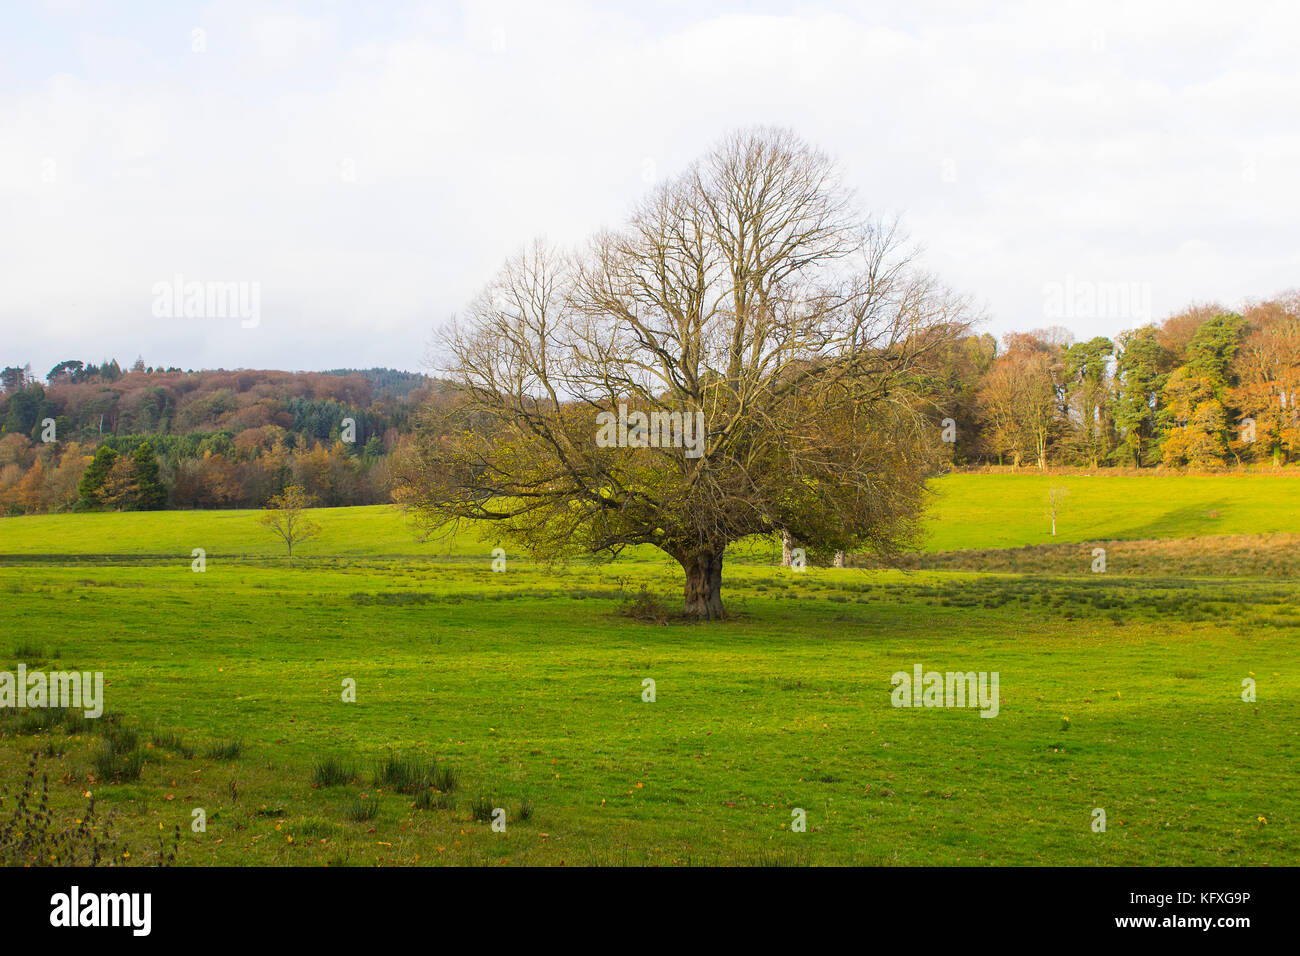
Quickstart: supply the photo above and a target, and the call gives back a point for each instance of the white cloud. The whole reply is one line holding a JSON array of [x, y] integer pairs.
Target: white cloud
[[371, 174]]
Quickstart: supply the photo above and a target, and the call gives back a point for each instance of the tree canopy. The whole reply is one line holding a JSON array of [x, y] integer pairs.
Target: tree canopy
[[747, 294]]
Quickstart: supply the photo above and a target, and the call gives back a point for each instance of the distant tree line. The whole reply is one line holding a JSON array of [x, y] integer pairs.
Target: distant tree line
[[95, 437], [1206, 388]]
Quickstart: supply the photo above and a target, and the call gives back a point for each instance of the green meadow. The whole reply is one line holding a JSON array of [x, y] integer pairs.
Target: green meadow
[[524, 690], [1009, 511], [965, 511]]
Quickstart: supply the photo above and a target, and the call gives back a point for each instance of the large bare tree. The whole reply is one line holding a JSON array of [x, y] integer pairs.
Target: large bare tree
[[746, 294]]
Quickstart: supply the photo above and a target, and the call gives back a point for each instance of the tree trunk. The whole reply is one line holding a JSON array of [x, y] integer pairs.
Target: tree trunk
[[839, 559], [704, 585], [786, 544]]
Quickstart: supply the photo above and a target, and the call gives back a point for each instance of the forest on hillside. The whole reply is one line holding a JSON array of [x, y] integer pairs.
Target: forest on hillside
[[1207, 388], [98, 437]]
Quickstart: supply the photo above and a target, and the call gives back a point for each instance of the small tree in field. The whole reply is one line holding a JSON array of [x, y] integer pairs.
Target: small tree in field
[[285, 516], [1055, 502]]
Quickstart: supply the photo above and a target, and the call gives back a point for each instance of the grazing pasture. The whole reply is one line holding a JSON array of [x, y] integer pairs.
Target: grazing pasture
[[967, 511], [523, 690]]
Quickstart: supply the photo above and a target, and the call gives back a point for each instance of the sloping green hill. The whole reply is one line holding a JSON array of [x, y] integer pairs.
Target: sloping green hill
[[1007, 511], [966, 511]]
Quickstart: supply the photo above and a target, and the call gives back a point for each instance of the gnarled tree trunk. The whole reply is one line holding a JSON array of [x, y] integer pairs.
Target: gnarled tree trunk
[[704, 584], [786, 545]]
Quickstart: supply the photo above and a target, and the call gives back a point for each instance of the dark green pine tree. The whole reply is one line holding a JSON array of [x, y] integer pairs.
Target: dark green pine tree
[[153, 495], [92, 480], [1140, 375]]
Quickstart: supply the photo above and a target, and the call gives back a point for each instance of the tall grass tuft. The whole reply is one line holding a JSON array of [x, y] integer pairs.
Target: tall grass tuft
[[173, 743], [119, 758], [332, 772], [481, 808], [413, 774], [225, 750], [363, 808], [433, 800]]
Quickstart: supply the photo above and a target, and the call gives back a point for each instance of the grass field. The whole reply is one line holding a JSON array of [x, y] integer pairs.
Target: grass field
[[1119, 692], [966, 511]]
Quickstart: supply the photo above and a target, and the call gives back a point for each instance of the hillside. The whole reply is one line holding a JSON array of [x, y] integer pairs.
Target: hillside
[[1010, 511], [91, 402], [967, 511], [221, 438]]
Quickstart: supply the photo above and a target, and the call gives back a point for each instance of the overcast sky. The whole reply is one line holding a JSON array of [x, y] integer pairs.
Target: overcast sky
[[368, 166]]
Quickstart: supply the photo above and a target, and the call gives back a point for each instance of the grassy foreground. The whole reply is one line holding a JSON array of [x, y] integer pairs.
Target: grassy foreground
[[1118, 693]]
